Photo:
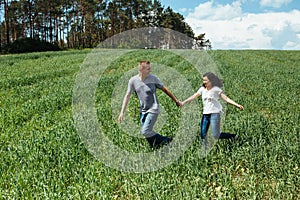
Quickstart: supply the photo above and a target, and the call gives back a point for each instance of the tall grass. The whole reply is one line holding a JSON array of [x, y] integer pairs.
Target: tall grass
[[42, 155]]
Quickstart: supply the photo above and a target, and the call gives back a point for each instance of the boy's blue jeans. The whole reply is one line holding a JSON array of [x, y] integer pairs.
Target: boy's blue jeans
[[148, 121]]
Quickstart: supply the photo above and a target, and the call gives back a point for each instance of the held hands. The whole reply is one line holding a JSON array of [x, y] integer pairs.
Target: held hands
[[179, 103]]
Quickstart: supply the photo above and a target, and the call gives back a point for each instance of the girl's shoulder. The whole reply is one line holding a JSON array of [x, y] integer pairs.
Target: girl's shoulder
[[201, 89], [216, 88]]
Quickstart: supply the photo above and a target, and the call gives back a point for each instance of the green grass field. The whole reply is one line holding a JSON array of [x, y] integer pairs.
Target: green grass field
[[43, 157]]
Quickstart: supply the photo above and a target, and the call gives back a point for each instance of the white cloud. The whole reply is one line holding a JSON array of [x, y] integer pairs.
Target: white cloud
[[216, 12], [274, 3], [228, 27], [284, 37]]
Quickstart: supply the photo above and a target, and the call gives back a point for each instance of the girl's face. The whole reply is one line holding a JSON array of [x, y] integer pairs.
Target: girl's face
[[206, 82]]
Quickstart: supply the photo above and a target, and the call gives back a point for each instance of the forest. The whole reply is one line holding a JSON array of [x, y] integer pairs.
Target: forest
[[86, 23]]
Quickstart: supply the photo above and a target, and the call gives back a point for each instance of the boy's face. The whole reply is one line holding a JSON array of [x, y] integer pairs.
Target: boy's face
[[145, 68]]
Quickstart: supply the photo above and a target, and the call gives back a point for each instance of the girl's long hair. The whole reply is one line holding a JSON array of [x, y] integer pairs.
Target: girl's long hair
[[215, 80]]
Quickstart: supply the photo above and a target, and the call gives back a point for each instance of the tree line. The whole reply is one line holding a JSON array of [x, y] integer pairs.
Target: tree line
[[86, 23]]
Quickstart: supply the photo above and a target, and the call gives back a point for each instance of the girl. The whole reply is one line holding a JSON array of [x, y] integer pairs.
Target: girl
[[210, 92]]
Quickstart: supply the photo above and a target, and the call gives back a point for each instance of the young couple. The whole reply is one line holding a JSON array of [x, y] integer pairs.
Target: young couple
[[145, 84]]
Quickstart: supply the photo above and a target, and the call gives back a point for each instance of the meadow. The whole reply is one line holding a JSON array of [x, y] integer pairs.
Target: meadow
[[42, 155]]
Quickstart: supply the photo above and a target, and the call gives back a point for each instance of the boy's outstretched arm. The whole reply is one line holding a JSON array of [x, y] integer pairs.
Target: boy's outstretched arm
[[171, 95]]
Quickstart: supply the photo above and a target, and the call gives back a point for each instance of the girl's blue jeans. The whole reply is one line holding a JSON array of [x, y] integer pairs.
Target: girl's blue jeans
[[212, 120]]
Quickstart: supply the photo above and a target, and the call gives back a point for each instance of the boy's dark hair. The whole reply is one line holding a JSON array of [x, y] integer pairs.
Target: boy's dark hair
[[144, 61]]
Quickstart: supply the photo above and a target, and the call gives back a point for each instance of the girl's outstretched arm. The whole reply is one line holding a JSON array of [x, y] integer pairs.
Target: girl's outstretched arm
[[228, 100], [191, 98]]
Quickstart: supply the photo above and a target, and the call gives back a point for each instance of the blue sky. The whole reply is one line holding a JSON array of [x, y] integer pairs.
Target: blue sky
[[243, 24]]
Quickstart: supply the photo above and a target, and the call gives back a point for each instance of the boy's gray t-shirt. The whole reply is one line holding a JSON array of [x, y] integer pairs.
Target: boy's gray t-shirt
[[146, 92]]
